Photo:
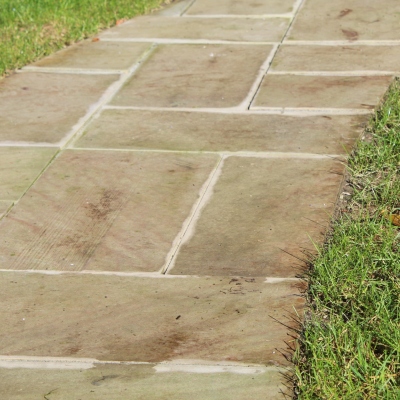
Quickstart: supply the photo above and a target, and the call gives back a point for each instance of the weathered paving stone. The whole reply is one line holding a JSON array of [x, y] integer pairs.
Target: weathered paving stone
[[229, 7], [337, 58], [103, 211], [96, 55], [185, 131], [232, 29], [194, 76], [19, 167], [322, 91], [341, 20], [33, 106], [111, 318], [264, 213], [138, 382], [4, 206]]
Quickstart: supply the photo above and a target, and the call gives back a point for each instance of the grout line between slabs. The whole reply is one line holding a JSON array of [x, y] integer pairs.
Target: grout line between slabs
[[186, 9], [334, 73], [340, 43], [185, 41], [239, 16], [81, 71]]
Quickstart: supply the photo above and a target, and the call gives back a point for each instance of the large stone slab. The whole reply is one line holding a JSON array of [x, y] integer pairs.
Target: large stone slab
[[19, 167], [337, 58], [229, 7], [114, 318], [232, 29], [103, 211], [39, 107], [96, 55], [185, 131], [194, 76], [4, 206], [322, 91], [341, 20], [264, 213]]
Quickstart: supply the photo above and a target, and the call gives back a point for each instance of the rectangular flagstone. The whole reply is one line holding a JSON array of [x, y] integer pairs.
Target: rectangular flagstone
[[138, 382], [195, 131], [40, 107], [322, 91], [229, 7], [96, 55], [111, 318], [194, 76], [344, 20], [103, 211], [19, 167], [263, 214], [337, 58], [232, 29]]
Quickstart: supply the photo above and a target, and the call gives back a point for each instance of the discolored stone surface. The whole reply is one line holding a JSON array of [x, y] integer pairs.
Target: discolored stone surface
[[262, 215], [19, 167], [337, 58], [322, 91], [232, 29], [38, 107], [341, 20], [96, 55], [194, 76], [145, 319], [103, 211], [185, 131], [229, 7]]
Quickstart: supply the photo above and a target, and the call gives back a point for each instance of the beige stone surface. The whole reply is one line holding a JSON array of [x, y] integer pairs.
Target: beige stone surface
[[19, 167], [337, 58], [4, 206], [194, 76], [232, 29], [96, 55], [229, 7], [103, 211], [112, 318], [264, 214], [39, 107], [140, 129], [343, 20], [322, 91]]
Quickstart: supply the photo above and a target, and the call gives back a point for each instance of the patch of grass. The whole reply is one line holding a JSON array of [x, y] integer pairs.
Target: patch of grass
[[350, 343], [31, 29]]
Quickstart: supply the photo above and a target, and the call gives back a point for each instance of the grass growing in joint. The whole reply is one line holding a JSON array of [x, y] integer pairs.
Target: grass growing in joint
[[350, 345], [31, 29]]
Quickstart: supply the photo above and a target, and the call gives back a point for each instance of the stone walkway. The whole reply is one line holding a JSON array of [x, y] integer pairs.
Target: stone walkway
[[158, 187]]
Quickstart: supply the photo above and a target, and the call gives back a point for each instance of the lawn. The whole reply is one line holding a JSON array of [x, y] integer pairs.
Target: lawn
[[32, 29]]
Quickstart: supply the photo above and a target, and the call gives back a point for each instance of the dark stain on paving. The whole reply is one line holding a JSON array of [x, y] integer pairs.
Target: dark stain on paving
[[345, 12], [350, 34]]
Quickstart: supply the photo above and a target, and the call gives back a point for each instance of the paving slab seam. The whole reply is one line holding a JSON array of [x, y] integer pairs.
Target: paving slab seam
[[239, 16], [310, 111], [80, 71], [292, 42], [8, 143], [186, 8], [335, 73], [186, 41]]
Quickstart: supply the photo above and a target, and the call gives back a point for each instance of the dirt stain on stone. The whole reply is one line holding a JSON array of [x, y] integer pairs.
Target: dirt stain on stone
[[345, 12], [350, 34]]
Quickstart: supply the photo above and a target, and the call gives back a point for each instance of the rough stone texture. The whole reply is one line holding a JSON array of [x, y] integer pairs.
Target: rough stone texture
[[96, 55], [232, 29], [146, 319], [33, 105], [262, 215], [341, 20], [103, 210], [194, 76], [4, 205], [229, 7], [322, 91], [134, 129]]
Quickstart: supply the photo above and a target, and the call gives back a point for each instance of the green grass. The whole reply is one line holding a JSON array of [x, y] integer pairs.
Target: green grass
[[350, 343], [31, 29]]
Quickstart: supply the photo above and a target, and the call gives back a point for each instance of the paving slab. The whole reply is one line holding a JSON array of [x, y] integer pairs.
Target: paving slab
[[103, 210], [138, 382], [337, 58], [19, 167], [233, 7], [262, 215], [4, 206], [231, 29], [111, 318], [197, 131], [33, 105], [341, 20], [96, 55], [194, 76], [353, 92]]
